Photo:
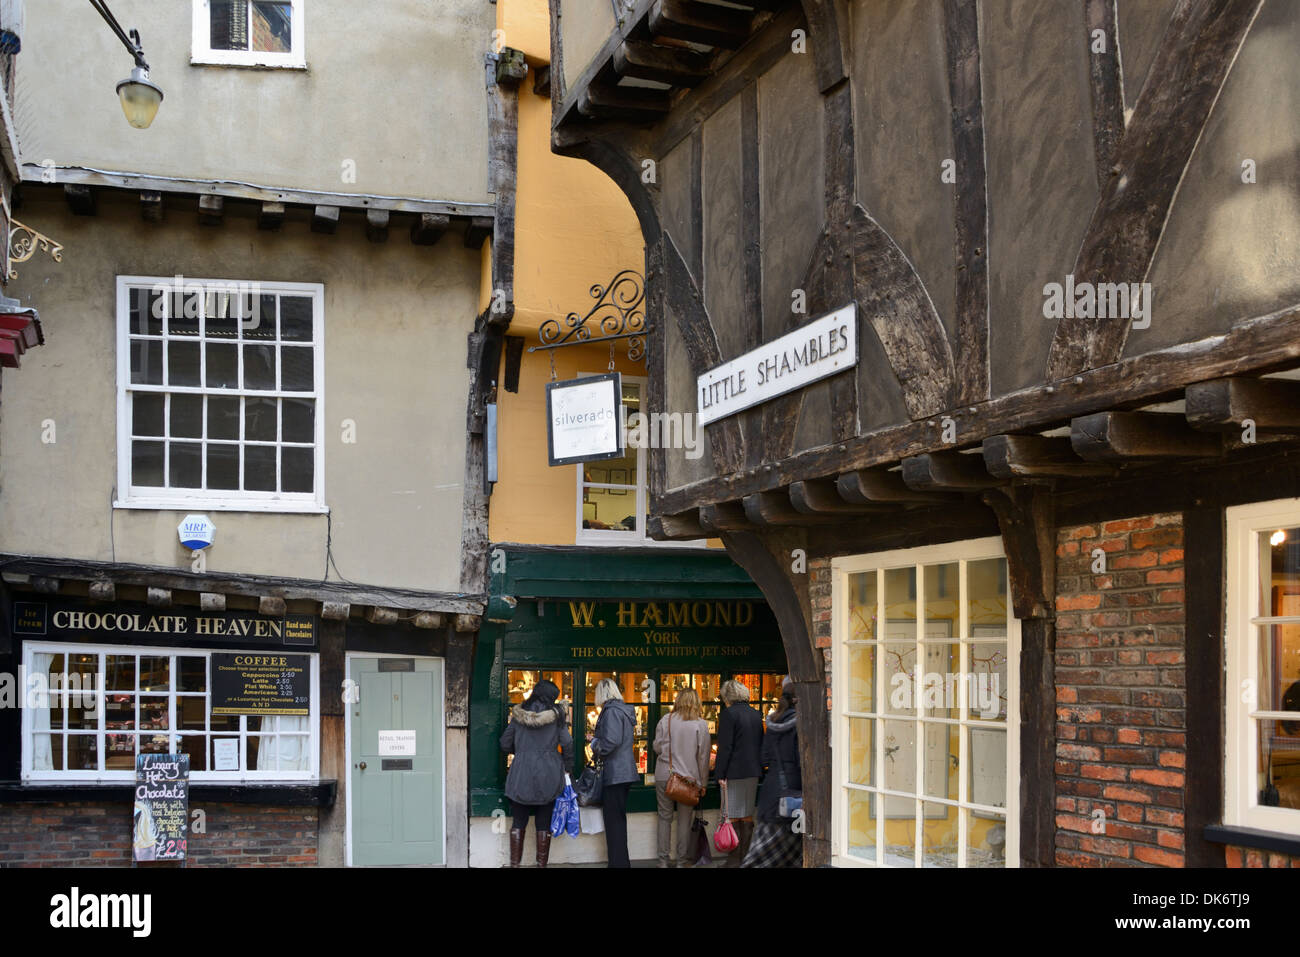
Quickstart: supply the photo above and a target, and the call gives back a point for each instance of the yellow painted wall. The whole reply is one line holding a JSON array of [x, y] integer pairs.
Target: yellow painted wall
[[526, 25]]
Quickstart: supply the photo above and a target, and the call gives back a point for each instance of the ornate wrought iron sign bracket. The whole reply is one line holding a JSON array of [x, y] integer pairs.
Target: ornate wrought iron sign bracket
[[619, 313]]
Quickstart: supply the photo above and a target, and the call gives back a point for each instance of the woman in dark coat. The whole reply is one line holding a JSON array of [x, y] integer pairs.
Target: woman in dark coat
[[740, 747], [612, 741], [776, 842], [538, 736]]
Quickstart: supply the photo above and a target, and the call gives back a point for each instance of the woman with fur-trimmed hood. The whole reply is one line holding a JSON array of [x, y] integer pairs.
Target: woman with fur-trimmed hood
[[538, 736]]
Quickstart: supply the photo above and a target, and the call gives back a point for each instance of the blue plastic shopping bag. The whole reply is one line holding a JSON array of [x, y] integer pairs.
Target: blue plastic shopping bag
[[565, 816]]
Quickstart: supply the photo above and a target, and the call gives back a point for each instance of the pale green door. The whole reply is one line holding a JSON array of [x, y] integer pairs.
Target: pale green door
[[396, 764]]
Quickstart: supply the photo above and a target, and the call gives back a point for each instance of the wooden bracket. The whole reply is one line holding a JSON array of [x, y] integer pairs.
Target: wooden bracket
[[1026, 517]]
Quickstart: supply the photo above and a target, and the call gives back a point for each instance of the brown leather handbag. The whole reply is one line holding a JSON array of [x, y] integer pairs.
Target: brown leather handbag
[[680, 788]]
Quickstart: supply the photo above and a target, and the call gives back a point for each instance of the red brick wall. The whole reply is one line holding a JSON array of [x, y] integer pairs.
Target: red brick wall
[[1249, 857], [98, 834], [819, 596], [1120, 677]]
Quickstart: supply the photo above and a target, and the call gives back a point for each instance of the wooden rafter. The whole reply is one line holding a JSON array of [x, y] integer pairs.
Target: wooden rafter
[[1116, 436], [1271, 405]]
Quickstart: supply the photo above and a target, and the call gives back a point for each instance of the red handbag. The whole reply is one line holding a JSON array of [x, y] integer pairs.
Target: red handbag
[[724, 838]]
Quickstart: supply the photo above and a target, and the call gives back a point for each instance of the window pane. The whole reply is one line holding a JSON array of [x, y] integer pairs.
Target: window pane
[[222, 314], [83, 752], [193, 673], [1280, 572], [986, 684], [988, 767], [299, 420], [296, 369], [259, 468], [223, 417], [941, 755], [153, 713], [862, 825], [146, 311], [191, 711], [900, 601], [120, 673], [259, 420], [986, 598], [229, 24], [862, 758], [147, 413], [295, 318], [862, 606], [147, 463], [939, 836], [182, 363], [900, 678], [986, 840], [941, 600], [184, 320], [223, 467], [187, 416], [900, 832], [83, 675], [271, 27], [862, 677], [155, 744], [1279, 668], [146, 361], [941, 681], [259, 367], [185, 467], [195, 745], [119, 712], [297, 470], [1279, 764], [223, 365], [900, 758]]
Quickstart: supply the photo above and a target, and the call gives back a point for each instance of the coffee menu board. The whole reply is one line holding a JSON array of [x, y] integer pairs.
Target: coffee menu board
[[162, 807], [260, 684]]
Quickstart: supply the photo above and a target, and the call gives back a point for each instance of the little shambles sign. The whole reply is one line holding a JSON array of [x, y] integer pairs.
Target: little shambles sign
[[261, 684], [35, 619], [814, 351]]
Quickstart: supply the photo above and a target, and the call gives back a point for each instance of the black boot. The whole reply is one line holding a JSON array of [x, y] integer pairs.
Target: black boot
[[744, 835], [543, 846], [516, 846]]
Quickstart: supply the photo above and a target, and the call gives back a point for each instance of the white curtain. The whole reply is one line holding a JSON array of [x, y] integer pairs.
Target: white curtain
[[42, 755], [293, 750]]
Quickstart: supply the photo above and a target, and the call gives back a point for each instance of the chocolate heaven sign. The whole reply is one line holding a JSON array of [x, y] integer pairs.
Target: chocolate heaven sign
[[125, 622], [814, 351]]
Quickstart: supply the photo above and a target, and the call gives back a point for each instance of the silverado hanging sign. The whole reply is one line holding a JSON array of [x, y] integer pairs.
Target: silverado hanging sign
[[814, 351]]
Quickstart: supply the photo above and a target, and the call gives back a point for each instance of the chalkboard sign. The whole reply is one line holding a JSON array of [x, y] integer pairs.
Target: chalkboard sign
[[162, 807], [253, 683]]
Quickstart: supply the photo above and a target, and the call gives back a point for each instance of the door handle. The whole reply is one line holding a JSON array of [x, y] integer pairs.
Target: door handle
[[362, 765]]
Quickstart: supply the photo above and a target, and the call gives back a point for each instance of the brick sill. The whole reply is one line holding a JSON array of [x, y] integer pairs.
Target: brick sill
[[1253, 838], [318, 794]]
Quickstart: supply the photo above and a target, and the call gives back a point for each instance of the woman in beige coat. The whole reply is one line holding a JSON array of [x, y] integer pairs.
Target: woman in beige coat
[[685, 734]]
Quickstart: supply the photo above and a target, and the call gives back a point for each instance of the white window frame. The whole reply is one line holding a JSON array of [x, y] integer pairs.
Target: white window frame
[[150, 497], [631, 539], [841, 568], [108, 777], [201, 51], [1241, 655]]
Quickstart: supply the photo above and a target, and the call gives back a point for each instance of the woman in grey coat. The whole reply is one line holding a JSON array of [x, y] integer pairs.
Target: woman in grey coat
[[538, 736], [612, 741], [740, 747], [682, 746]]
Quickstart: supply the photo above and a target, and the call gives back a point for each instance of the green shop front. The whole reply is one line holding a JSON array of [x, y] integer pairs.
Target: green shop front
[[655, 620]]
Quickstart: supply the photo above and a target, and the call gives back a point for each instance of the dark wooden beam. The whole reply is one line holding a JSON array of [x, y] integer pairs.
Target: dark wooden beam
[[1181, 88], [270, 216], [151, 207], [1116, 436], [970, 211], [774, 508], [646, 61], [211, 209], [828, 36], [1023, 456], [1203, 548], [325, 219], [81, 199], [377, 225], [542, 81], [477, 229], [428, 228], [1224, 404], [677, 527], [514, 353], [822, 497], [511, 67], [881, 486], [700, 23], [600, 101], [1027, 520], [1107, 90], [724, 516], [940, 471]]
